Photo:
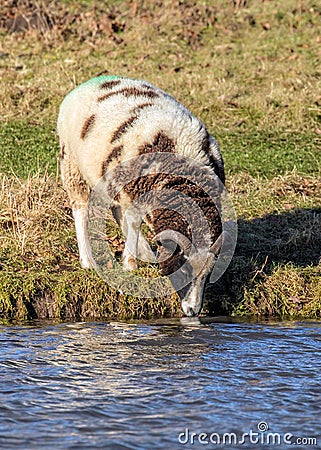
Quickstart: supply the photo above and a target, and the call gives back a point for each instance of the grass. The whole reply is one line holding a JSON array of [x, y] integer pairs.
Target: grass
[[275, 271], [26, 147], [40, 275], [251, 73], [30, 147]]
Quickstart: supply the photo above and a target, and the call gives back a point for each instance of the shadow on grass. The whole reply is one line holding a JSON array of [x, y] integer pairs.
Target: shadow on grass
[[275, 270]]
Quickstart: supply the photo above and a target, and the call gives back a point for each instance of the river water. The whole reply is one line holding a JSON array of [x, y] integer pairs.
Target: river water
[[160, 385]]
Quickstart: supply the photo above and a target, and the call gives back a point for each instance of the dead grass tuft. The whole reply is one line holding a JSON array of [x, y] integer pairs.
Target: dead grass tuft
[[29, 209]]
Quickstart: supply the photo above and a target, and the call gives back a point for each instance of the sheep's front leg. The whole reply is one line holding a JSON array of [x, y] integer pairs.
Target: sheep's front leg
[[85, 255], [145, 253], [131, 225], [136, 246]]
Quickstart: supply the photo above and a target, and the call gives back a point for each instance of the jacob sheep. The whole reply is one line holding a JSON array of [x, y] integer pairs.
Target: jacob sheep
[[109, 120]]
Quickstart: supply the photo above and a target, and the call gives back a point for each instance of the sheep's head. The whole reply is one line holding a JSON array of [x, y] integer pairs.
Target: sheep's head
[[187, 267]]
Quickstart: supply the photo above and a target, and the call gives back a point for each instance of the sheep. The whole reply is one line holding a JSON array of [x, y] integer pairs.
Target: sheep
[[110, 120]]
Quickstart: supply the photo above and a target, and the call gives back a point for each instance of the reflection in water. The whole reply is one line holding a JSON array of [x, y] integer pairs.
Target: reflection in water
[[140, 386]]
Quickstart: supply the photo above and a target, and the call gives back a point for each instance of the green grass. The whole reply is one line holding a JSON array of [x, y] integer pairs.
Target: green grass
[[251, 73], [27, 148], [268, 154]]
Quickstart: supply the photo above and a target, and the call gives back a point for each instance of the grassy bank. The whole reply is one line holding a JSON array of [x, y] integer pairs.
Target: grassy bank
[[250, 70], [40, 275], [275, 271]]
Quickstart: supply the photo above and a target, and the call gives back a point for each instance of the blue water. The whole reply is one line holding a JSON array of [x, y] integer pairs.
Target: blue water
[[160, 385]]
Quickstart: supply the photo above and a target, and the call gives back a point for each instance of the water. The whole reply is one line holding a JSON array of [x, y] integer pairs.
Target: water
[[160, 385]]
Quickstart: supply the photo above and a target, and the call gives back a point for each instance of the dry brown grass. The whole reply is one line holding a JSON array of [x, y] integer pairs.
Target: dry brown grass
[[255, 197], [274, 272], [40, 276], [29, 209]]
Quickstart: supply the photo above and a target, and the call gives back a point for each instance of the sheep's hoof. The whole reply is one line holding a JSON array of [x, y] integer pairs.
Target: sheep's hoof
[[86, 264], [129, 263]]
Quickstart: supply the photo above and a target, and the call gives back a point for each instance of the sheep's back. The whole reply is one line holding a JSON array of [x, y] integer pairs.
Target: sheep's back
[[111, 119]]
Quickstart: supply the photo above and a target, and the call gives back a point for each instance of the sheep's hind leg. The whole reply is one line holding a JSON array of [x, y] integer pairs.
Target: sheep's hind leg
[[85, 255], [78, 192]]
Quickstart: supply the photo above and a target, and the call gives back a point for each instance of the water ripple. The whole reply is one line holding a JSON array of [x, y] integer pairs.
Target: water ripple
[[138, 386]]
